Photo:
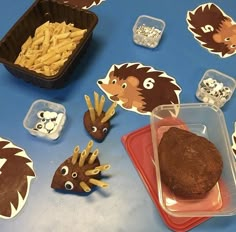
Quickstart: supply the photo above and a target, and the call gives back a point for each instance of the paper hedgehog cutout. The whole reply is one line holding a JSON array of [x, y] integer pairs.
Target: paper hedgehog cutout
[[214, 29], [234, 140], [80, 172], [140, 88], [96, 120], [16, 173], [82, 4]]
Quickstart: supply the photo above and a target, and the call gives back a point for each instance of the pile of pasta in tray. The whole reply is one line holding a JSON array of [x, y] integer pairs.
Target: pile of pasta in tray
[[50, 47]]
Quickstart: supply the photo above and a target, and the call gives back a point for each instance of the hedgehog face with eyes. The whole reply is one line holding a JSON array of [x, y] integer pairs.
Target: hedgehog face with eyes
[[96, 120], [140, 88], [81, 172], [227, 35], [215, 30]]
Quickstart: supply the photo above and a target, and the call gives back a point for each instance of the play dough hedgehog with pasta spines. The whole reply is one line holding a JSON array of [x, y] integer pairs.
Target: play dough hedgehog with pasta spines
[[80, 172]]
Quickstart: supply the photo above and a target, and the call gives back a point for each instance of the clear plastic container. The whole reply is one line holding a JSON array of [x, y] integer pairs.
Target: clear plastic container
[[215, 88], [45, 119], [138, 145], [208, 121], [147, 31]]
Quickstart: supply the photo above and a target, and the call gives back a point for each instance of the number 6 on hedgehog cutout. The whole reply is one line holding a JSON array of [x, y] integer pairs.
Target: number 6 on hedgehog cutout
[[140, 88]]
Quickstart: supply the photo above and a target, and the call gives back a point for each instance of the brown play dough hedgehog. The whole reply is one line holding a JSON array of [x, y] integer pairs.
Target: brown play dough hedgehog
[[190, 165], [80, 172], [96, 120]]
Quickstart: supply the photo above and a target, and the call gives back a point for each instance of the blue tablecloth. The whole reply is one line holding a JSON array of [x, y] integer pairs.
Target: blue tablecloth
[[125, 205]]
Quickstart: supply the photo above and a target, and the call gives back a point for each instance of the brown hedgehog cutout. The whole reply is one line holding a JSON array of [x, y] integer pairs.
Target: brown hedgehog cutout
[[234, 141], [140, 88], [82, 4], [215, 30], [16, 173], [96, 120], [81, 172]]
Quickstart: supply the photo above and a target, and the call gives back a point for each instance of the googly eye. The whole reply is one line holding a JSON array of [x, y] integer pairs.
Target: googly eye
[[114, 81], [40, 114], [94, 129], [43, 120], [49, 125], [64, 170], [47, 114], [59, 118], [233, 46], [53, 115], [227, 39], [74, 175], [227, 89], [39, 126], [69, 185], [124, 85], [105, 130]]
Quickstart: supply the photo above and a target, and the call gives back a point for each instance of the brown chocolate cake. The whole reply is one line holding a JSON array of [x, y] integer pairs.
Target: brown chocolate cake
[[190, 165]]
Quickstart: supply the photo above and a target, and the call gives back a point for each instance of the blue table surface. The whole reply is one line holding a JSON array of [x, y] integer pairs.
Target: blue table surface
[[126, 204]]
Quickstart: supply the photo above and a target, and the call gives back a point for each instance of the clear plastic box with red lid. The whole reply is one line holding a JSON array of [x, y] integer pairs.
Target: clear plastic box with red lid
[[208, 121]]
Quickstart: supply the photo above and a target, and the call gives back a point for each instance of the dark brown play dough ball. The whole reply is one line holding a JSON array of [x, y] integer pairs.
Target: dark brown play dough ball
[[190, 165]]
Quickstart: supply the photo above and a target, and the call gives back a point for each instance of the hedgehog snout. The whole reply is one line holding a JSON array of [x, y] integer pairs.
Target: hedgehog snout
[[99, 82]]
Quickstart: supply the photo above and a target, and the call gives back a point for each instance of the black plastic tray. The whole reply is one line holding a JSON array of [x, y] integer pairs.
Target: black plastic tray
[[38, 13]]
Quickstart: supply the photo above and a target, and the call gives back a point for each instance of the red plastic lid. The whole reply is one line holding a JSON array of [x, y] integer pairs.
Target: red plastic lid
[[139, 148]]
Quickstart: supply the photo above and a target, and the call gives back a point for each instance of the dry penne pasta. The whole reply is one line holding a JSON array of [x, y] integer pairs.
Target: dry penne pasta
[[84, 186], [103, 167], [98, 183], [93, 156], [75, 155], [50, 47], [56, 65], [27, 44], [92, 172], [77, 33], [38, 41]]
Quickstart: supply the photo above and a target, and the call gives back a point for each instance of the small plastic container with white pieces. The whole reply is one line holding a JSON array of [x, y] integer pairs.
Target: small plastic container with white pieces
[[215, 88], [147, 31], [45, 119]]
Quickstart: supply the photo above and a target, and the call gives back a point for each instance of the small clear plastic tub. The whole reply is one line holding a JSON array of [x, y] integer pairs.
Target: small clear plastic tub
[[208, 121], [147, 31], [45, 119], [215, 88]]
